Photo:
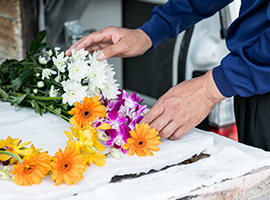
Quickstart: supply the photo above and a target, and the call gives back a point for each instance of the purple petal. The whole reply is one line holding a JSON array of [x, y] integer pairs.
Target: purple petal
[[124, 151], [116, 146], [109, 142], [139, 118], [113, 114], [121, 120], [112, 133]]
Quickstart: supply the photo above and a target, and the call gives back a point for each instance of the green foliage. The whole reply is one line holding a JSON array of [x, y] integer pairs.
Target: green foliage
[[18, 80]]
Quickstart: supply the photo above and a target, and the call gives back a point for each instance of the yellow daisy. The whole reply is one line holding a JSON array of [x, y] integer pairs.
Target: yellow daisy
[[142, 140]]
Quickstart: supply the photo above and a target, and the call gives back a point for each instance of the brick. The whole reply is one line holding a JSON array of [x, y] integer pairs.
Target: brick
[[10, 29], [10, 8]]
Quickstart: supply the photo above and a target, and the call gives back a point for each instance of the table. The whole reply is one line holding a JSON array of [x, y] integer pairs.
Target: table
[[233, 170]]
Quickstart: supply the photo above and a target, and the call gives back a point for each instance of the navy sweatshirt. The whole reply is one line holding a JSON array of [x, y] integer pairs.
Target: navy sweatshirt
[[245, 71]]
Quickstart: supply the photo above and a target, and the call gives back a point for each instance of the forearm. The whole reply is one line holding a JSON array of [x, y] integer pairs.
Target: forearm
[[175, 16]]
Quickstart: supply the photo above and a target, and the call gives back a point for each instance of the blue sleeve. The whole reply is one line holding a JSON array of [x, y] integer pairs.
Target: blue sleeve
[[177, 15], [246, 70]]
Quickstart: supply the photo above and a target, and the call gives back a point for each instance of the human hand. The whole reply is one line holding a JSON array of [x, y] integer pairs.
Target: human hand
[[114, 41], [183, 107]]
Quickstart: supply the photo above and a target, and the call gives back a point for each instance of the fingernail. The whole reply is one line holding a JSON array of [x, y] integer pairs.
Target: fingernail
[[101, 56]]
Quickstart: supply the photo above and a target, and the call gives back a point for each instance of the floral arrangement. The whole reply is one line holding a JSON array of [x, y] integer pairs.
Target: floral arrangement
[[81, 90], [47, 80]]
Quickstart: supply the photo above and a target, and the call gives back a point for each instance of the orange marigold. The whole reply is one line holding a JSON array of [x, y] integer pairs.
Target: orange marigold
[[32, 170], [88, 111], [142, 140], [68, 166]]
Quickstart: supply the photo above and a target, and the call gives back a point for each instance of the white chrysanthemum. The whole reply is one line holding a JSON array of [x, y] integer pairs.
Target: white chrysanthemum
[[57, 79], [78, 55], [46, 73], [53, 92], [60, 61], [110, 90], [93, 59], [93, 90], [74, 91], [109, 72], [57, 49], [78, 70], [42, 60], [97, 75]]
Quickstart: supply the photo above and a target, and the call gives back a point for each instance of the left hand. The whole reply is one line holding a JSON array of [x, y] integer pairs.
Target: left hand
[[183, 107]]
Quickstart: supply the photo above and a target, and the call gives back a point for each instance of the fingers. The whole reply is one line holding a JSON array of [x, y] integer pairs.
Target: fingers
[[110, 51], [152, 114], [93, 41]]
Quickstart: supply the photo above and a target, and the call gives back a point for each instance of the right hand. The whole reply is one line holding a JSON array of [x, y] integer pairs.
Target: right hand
[[114, 42]]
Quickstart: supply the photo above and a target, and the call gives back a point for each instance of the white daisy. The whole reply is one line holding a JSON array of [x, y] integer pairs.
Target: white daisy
[[42, 60], [78, 70], [78, 55], [97, 75], [57, 49], [53, 92], [93, 59], [74, 91], [93, 90], [110, 90], [46, 73], [109, 71], [60, 61]]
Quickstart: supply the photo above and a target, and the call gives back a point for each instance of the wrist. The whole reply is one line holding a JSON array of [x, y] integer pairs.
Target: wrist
[[210, 88], [147, 40]]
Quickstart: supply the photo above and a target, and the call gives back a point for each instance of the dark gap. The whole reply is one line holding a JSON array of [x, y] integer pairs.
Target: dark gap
[[195, 158]]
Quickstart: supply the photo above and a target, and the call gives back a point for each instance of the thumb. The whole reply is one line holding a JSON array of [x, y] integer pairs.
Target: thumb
[[110, 51]]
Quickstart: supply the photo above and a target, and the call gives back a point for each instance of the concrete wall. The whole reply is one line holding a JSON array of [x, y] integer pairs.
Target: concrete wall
[[11, 45]]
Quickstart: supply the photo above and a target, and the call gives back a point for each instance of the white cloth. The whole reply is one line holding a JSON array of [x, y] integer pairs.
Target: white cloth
[[228, 159]]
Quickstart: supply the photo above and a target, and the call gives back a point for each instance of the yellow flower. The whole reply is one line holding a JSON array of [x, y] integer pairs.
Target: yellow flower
[[34, 151], [88, 111], [83, 144], [13, 146], [98, 158], [32, 170], [142, 140], [87, 135], [68, 166]]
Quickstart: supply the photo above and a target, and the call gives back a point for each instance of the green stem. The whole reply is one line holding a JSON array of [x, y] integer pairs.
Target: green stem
[[44, 98], [12, 155], [53, 111], [107, 153]]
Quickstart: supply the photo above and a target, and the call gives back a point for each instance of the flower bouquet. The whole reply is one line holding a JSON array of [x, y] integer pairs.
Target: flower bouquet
[[83, 91], [47, 80]]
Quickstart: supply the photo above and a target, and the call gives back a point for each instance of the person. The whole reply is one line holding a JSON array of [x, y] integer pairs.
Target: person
[[244, 73]]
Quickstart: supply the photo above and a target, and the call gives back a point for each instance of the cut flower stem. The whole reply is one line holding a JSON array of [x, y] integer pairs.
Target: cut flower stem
[[12, 155]]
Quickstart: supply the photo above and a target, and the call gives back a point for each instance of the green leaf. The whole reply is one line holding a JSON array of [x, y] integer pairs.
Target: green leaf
[[24, 77], [36, 44], [3, 93], [17, 100], [36, 106], [58, 111]]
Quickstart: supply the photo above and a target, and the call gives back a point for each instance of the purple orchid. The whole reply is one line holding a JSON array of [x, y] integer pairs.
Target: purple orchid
[[131, 101], [123, 113], [114, 121], [117, 139]]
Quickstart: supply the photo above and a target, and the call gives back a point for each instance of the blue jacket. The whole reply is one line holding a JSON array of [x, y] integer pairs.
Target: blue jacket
[[245, 71]]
